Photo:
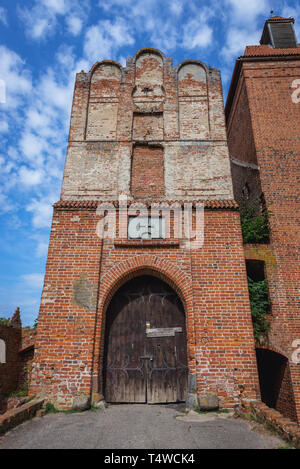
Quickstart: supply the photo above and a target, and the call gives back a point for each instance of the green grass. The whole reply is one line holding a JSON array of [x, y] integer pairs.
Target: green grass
[[51, 409], [286, 446]]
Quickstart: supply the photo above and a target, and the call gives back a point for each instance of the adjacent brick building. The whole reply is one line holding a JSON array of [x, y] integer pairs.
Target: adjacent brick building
[[263, 118], [151, 132], [16, 356]]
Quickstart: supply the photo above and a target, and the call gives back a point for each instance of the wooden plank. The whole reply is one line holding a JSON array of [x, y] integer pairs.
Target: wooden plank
[[125, 373]]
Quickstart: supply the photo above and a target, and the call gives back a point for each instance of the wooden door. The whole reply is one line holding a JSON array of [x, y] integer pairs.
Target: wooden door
[[146, 359]]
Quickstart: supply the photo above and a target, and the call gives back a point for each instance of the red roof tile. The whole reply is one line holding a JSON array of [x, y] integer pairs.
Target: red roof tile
[[93, 204], [263, 50]]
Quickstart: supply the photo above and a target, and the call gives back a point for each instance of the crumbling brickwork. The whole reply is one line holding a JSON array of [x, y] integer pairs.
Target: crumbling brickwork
[[150, 132]]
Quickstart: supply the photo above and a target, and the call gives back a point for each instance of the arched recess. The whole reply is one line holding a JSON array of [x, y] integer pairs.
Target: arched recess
[[106, 80], [103, 101], [148, 95], [2, 351], [275, 382], [145, 357], [149, 68], [193, 101], [133, 267], [192, 79]]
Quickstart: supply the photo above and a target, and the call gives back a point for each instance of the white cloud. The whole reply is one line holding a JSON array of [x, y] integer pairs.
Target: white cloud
[[34, 281], [42, 212], [30, 177], [74, 25], [237, 40], [42, 248], [122, 61], [3, 16], [57, 6], [39, 113], [41, 19], [197, 34], [176, 6], [246, 11], [32, 146], [16, 77], [57, 94], [294, 12], [103, 40], [166, 25], [243, 27], [6, 205], [4, 127]]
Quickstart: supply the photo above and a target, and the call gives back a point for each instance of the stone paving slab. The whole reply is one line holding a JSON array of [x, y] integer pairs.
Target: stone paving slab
[[139, 427]]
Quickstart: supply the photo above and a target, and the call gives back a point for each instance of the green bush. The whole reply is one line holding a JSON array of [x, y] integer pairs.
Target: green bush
[[50, 408], [260, 308], [4, 321], [255, 226]]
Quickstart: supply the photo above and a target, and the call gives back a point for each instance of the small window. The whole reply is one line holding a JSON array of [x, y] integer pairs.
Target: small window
[[2, 351]]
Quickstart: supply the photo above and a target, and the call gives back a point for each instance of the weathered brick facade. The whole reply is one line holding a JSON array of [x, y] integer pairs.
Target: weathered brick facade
[[16, 357], [263, 139], [152, 132], [10, 366]]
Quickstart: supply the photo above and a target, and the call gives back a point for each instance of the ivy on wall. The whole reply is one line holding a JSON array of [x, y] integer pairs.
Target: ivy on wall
[[255, 226], [260, 309]]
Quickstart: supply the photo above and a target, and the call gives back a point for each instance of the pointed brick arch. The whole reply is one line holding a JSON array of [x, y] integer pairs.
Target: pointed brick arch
[[141, 265], [119, 274]]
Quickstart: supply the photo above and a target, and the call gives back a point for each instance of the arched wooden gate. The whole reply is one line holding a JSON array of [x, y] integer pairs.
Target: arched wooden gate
[[145, 351]]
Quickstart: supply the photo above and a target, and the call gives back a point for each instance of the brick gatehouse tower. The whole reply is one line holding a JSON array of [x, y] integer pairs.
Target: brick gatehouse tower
[[138, 313]]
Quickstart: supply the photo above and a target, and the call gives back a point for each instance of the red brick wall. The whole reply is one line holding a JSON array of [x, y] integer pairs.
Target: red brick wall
[[147, 172], [242, 148], [211, 281], [275, 129], [9, 371], [26, 361], [286, 400], [65, 332]]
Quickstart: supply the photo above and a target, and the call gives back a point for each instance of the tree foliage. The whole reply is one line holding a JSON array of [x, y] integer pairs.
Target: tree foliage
[[260, 308], [4, 321], [255, 226]]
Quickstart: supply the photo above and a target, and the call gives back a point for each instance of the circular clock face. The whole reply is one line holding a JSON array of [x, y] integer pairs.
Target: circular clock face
[[145, 227]]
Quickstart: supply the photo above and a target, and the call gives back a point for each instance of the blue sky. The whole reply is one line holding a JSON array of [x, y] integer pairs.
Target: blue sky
[[43, 43]]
